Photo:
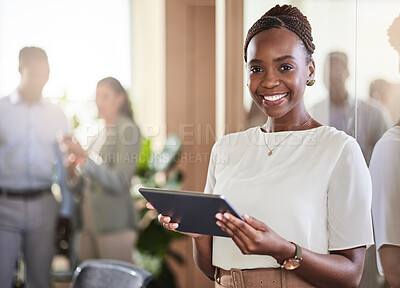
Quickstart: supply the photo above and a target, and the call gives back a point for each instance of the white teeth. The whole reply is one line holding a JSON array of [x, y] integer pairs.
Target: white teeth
[[275, 97]]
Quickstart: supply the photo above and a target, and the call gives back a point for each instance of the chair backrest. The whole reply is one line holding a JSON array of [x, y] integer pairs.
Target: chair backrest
[[109, 274]]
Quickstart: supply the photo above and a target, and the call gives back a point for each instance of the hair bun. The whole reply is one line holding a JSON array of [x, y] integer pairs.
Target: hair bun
[[287, 10], [285, 16]]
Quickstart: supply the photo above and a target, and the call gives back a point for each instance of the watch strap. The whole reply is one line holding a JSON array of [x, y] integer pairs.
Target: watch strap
[[298, 251], [292, 263]]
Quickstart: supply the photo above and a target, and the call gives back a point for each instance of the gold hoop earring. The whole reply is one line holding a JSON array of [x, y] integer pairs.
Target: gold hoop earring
[[310, 82]]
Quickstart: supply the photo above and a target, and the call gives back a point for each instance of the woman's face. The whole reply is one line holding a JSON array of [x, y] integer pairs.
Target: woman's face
[[277, 72], [108, 102]]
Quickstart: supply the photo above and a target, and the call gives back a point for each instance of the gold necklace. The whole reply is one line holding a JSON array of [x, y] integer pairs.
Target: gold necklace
[[270, 151]]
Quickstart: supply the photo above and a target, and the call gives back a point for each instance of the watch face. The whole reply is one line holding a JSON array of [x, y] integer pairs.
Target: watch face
[[292, 264]]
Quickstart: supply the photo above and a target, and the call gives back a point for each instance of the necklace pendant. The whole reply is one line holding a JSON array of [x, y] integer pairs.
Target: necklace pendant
[[270, 153]]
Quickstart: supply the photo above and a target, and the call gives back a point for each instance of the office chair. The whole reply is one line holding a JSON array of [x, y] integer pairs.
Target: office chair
[[109, 274]]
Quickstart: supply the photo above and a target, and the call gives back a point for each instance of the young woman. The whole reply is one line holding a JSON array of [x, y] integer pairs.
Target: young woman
[[306, 186], [103, 172]]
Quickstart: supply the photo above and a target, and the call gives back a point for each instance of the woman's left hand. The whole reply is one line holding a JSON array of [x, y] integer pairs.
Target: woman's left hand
[[255, 237]]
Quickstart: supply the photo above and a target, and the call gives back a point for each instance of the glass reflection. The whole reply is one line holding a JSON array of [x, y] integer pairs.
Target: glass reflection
[[384, 168], [358, 87], [363, 120]]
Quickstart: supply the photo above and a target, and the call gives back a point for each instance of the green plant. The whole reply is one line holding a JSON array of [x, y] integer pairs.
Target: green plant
[[153, 247]]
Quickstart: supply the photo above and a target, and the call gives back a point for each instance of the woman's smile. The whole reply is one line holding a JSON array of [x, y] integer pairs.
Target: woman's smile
[[273, 99]]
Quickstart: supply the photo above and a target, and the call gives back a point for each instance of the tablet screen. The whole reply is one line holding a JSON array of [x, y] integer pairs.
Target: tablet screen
[[194, 211]]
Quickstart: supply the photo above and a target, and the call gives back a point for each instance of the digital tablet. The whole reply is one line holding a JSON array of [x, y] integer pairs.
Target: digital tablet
[[193, 211]]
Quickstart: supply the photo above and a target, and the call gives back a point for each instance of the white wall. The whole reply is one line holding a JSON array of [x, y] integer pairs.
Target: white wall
[[148, 62]]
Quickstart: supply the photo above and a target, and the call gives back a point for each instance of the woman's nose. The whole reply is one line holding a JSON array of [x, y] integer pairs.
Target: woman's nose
[[270, 80]]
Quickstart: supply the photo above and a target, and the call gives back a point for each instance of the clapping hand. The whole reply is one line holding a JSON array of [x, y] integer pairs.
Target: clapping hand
[[70, 145], [74, 154]]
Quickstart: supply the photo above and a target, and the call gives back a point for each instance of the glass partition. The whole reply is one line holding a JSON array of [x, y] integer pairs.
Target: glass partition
[[377, 72], [377, 87], [357, 87], [356, 68]]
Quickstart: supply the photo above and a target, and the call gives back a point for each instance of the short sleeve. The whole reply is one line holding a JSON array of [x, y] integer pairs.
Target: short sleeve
[[211, 179], [349, 201], [384, 168]]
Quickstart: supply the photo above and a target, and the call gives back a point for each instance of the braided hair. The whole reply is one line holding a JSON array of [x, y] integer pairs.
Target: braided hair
[[288, 17], [394, 34]]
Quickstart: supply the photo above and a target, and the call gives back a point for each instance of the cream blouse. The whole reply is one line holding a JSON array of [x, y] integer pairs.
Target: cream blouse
[[385, 169], [314, 189]]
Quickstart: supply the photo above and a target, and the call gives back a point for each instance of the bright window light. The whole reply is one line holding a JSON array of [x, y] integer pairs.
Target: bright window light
[[85, 41]]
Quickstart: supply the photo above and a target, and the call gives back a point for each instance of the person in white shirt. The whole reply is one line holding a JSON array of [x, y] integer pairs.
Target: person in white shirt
[[30, 162], [339, 109], [305, 185], [384, 168]]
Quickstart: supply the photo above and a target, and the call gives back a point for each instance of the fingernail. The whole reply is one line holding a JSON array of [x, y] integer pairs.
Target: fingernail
[[219, 223], [174, 226], [226, 215], [167, 219], [218, 216], [245, 216]]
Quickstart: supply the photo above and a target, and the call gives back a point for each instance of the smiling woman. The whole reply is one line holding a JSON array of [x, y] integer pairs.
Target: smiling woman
[[306, 229], [276, 55], [278, 70]]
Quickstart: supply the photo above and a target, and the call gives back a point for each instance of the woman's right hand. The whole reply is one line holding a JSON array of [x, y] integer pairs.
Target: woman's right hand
[[166, 222], [70, 163]]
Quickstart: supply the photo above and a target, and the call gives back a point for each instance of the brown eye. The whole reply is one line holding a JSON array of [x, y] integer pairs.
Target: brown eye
[[255, 70], [286, 68]]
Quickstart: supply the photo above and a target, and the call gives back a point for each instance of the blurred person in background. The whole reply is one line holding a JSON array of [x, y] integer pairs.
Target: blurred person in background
[[338, 110], [30, 162], [379, 96], [102, 174], [384, 168]]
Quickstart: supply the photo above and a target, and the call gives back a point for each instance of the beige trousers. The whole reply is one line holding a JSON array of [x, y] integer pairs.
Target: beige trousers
[[117, 245], [256, 278]]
